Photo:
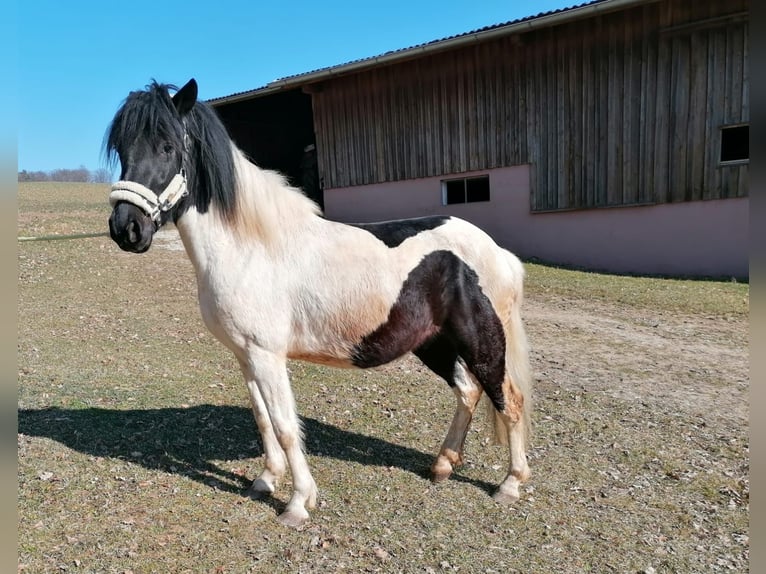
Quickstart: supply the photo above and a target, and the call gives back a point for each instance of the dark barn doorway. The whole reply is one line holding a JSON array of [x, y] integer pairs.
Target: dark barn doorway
[[277, 132]]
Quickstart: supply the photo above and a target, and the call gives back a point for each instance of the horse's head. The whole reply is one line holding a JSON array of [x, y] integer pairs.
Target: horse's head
[[149, 136]]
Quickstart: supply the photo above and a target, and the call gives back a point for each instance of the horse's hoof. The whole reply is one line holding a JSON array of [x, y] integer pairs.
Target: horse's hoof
[[260, 489], [506, 497], [441, 470], [293, 518], [440, 476], [254, 494]]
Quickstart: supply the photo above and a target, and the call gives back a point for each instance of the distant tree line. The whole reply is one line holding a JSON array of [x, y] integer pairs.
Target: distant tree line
[[82, 174]]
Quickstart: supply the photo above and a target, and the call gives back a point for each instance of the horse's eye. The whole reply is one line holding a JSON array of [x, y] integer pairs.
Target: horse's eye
[[167, 148]]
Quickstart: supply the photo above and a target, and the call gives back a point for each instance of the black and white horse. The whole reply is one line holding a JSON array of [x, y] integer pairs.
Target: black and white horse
[[277, 281]]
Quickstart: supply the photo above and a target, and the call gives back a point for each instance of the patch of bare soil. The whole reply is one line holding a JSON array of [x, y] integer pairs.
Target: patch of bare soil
[[649, 412], [693, 364]]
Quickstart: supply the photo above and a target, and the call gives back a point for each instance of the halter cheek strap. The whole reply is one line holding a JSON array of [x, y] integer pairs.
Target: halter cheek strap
[[144, 198]]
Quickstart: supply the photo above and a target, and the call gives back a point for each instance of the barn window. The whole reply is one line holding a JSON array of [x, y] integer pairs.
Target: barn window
[[465, 190], [735, 144]]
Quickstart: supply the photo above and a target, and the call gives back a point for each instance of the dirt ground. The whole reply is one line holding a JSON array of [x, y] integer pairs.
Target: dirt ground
[[693, 364]]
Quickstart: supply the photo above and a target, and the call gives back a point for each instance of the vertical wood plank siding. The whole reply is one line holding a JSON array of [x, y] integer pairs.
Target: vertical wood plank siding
[[619, 109]]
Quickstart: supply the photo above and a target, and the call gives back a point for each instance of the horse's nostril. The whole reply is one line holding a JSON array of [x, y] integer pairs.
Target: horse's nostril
[[134, 231]]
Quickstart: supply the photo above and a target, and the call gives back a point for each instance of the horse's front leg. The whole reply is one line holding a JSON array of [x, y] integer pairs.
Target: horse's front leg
[[274, 467], [268, 371]]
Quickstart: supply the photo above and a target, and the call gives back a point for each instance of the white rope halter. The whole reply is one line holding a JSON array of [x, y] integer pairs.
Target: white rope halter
[[143, 197]]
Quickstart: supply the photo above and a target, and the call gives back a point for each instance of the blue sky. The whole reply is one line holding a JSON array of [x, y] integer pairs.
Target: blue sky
[[78, 60]]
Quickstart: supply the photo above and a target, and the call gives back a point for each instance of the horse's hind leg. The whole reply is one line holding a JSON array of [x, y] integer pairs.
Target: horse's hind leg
[[496, 354], [511, 421], [440, 356], [274, 456], [468, 392]]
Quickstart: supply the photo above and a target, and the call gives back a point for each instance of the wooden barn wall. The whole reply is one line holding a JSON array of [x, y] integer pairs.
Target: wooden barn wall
[[620, 109]]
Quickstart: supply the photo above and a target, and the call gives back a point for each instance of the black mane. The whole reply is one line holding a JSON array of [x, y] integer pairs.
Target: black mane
[[210, 172]]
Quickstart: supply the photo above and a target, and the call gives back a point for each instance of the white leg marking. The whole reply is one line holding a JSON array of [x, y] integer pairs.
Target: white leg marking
[[270, 375], [275, 464]]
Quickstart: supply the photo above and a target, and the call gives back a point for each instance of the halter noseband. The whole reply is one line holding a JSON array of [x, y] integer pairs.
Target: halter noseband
[[148, 201], [154, 205]]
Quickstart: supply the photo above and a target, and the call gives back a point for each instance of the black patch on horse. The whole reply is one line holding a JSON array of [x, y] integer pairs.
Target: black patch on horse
[[392, 233], [441, 314], [440, 355]]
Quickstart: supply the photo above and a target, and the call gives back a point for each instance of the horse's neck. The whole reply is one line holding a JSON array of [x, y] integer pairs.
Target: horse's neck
[[268, 213], [267, 206]]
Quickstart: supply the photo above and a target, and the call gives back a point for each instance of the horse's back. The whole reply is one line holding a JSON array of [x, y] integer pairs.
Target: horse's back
[[393, 232], [478, 250], [408, 241]]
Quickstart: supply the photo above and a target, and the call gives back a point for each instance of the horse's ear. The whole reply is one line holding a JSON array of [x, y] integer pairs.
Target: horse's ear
[[186, 97]]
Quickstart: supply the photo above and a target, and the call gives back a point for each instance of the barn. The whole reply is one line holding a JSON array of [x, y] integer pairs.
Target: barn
[[612, 135]]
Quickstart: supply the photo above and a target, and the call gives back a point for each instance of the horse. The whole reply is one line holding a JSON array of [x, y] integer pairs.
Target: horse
[[278, 281]]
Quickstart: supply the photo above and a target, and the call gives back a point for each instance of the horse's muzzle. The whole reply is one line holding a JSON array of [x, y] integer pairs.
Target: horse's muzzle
[[130, 228]]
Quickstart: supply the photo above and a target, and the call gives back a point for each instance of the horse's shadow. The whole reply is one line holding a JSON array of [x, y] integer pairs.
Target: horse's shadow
[[186, 441]]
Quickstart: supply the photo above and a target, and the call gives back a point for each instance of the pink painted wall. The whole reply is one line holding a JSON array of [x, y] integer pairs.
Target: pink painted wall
[[695, 238]]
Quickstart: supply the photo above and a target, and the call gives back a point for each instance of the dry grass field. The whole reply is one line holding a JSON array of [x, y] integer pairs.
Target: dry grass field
[[136, 443]]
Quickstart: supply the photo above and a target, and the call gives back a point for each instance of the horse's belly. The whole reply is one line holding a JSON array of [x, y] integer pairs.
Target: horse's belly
[[327, 346], [320, 358]]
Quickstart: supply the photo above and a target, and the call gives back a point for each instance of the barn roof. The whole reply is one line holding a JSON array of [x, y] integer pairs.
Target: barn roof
[[541, 20]]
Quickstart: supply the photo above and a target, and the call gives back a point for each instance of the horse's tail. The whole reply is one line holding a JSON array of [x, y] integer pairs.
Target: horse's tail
[[516, 355]]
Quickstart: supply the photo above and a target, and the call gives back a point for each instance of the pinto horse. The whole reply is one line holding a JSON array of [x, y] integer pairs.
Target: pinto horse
[[277, 281]]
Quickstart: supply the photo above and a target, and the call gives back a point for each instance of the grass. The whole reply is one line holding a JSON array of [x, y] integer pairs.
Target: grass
[[719, 298], [136, 443]]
